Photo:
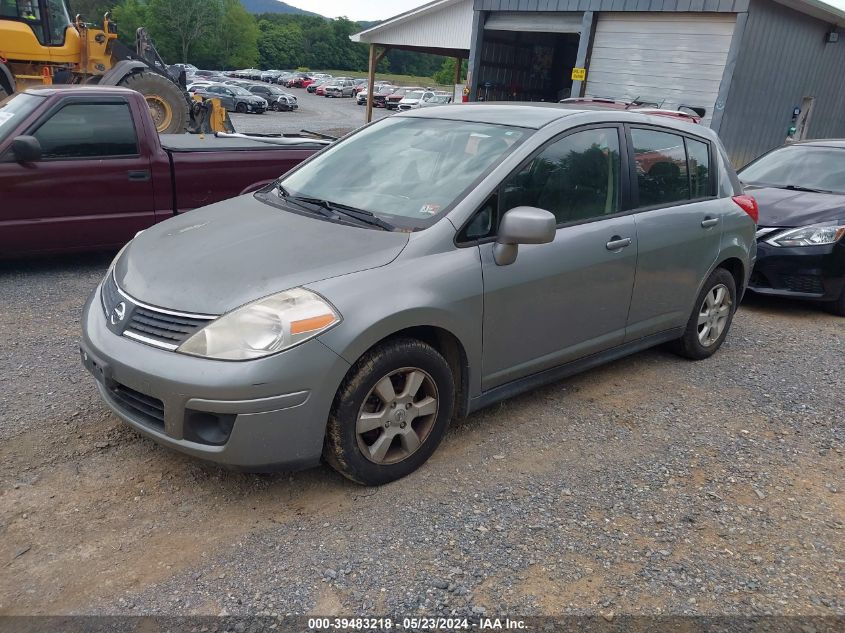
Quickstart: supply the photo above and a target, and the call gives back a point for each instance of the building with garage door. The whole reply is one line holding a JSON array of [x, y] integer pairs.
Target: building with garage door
[[761, 70]]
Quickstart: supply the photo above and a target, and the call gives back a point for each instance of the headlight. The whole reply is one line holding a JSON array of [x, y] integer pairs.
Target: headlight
[[813, 235], [264, 327]]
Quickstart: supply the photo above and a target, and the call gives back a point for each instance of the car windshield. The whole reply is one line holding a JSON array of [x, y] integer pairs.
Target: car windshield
[[407, 170], [240, 91], [414, 94], [14, 109], [803, 166]]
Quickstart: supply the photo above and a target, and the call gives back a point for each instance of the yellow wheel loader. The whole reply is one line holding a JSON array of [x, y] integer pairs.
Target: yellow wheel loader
[[41, 45]]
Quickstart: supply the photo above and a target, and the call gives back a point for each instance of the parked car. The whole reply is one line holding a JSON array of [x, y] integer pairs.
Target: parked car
[[82, 168], [426, 266], [312, 87], [380, 94], [393, 99], [801, 237], [439, 98], [279, 100], [360, 84], [320, 90], [414, 99], [198, 85], [235, 98], [299, 81], [340, 88]]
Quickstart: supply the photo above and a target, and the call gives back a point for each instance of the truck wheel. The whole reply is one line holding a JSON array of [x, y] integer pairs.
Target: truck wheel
[[167, 103]]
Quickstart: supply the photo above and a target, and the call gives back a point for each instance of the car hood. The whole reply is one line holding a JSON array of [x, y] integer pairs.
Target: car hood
[[214, 259], [783, 207]]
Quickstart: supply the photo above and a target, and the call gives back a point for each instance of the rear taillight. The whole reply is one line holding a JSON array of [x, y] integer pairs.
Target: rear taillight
[[749, 205]]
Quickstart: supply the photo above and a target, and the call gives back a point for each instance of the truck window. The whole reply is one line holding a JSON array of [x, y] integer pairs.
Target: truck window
[[88, 130]]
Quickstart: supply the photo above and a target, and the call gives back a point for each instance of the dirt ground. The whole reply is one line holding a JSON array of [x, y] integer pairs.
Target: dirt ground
[[652, 485]]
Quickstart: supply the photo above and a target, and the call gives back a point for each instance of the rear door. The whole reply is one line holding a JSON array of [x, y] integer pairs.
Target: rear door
[[92, 188], [679, 225]]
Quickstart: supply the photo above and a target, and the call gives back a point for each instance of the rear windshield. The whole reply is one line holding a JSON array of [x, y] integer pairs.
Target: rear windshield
[[821, 168], [14, 109]]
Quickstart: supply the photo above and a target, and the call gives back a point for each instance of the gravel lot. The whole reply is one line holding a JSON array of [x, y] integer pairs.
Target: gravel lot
[[318, 114], [652, 485]]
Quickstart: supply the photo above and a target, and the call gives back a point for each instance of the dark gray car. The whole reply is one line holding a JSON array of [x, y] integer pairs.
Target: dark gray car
[[235, 98], [428, 265]]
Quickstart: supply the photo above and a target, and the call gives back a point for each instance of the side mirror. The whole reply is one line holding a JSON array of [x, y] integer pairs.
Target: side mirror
[[26, 149], [522, 225]]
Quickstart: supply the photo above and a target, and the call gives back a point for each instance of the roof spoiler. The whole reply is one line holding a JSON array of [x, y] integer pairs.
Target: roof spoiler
[[697, 110]]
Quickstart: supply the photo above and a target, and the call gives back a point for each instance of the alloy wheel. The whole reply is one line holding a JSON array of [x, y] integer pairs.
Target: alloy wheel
[[713, 314], [397, 416]]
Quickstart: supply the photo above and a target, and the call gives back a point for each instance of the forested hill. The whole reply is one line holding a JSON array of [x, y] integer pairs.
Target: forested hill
[[272, 6]]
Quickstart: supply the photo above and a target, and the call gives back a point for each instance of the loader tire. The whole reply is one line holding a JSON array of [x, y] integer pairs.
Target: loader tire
[[3, 93], [167, 103]]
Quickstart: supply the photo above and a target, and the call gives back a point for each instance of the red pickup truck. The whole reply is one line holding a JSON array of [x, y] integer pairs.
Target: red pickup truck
[[82, 168]]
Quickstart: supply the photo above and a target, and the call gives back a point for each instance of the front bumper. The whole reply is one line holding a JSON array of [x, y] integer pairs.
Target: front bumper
[[801, 272], [259, 415]]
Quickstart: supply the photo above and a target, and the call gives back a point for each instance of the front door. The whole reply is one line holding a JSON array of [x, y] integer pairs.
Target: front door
[[564, 300], [91, 189]]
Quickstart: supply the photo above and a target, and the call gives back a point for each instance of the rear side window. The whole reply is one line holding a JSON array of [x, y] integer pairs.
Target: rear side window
[[661, 164], [88, 130], [698, 155]]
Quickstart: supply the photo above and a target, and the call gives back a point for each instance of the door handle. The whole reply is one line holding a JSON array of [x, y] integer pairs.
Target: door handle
[[616, 243], [142, 175], [707, 222]]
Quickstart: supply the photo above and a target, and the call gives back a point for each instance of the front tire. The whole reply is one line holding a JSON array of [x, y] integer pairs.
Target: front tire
[[240, 108], [836, 307], [390, 413], [711, 319]]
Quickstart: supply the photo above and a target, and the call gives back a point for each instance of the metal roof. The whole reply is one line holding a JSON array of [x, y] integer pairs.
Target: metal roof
[[441, 24]]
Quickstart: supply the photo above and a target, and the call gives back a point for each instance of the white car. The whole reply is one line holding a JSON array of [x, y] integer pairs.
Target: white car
[[439, 98], [415, 99]]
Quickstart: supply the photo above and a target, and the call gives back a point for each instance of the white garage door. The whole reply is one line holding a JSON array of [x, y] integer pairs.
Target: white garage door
[[669, 58]]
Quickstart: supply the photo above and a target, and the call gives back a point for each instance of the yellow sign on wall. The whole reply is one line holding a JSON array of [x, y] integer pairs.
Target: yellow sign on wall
[[579, 74]]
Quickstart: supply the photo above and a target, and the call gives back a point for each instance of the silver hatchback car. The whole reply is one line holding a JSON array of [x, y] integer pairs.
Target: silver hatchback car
[[426, 266]]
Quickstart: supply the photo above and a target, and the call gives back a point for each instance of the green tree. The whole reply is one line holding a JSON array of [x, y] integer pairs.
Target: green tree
[[179, 25], [129, 15], [237, 36], [91, 10], [446, 75]]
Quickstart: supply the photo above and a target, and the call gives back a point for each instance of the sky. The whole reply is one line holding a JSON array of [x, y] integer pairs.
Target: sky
[[381, 9]]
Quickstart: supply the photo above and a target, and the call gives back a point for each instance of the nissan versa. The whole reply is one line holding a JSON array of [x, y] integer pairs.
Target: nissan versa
[[426, 266]]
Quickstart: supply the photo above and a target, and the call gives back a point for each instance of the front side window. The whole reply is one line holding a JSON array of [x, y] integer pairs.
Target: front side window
[[409, 170], [86, 130], [14, 110], [575, 178], [661, 163]]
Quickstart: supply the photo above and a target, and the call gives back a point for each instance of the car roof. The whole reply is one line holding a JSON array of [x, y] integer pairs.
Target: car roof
[[539, 114], [824, 142]]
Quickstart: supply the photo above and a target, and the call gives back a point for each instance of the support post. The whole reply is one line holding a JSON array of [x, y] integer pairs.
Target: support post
[[371, 80], [458, 63], [375, 59], [585, 45]]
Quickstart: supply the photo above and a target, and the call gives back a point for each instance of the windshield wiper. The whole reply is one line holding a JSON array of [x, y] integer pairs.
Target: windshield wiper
[[801, 188], [335, 210]]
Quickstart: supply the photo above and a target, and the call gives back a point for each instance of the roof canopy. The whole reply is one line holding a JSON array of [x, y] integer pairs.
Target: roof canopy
[[442, 27]]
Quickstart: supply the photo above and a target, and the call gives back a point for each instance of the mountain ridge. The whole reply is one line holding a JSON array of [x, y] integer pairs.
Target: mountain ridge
[[275, 6]]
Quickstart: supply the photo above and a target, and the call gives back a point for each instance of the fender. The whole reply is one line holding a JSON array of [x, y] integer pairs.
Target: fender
[[7, 80], [121, 70]]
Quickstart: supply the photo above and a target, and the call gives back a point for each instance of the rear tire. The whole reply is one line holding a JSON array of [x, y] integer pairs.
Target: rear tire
[[390, 413], [711, 318], [167, 103]]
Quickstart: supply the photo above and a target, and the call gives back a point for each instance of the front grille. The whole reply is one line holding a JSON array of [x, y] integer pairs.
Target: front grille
[[803, 283], [166, 329], [149, 409], [162, 328]]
